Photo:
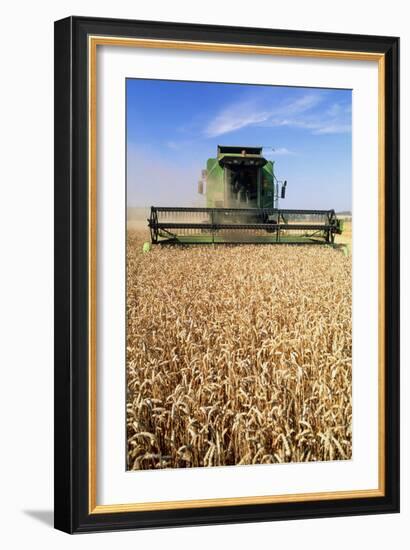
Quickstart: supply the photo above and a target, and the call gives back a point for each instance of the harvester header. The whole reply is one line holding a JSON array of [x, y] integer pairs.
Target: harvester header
[[242, 195]]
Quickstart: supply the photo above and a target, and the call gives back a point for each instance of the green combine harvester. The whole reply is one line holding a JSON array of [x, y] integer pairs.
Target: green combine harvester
[[242, 206]]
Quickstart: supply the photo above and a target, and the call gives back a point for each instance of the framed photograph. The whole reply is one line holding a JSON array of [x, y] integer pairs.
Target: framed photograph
[[226, 274]]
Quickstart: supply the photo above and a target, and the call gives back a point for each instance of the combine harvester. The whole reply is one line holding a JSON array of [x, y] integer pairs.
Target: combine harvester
[[242, 206]]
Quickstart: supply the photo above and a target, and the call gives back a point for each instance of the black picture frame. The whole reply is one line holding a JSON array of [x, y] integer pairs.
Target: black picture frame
[[71, 492]]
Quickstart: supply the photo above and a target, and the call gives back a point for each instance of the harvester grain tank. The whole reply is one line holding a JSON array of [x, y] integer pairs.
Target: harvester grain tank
[[242, 206]]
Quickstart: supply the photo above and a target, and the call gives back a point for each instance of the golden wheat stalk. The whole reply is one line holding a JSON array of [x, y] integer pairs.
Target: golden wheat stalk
[[237, 355]]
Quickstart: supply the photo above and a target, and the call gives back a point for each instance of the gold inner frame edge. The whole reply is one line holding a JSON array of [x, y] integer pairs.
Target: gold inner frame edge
[[93, 42]]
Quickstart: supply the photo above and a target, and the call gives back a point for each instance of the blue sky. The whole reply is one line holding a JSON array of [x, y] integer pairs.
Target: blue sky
[[174, 127]]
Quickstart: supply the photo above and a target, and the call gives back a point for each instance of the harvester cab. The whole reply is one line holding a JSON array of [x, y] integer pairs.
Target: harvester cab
[[240, 177], [241, 206]]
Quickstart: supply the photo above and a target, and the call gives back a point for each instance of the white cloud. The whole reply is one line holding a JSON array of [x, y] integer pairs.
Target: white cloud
[[235, 117], [317, 124], [298, 113], [334, 120], [301, 104], [278, 151], [333, 129], [173, 145], [283, 151]]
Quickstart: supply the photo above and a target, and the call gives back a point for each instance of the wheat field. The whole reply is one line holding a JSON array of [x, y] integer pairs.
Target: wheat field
[[237, 355]]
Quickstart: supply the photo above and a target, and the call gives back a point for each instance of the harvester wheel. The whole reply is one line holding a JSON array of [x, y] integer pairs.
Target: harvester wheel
[[146, 247]]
